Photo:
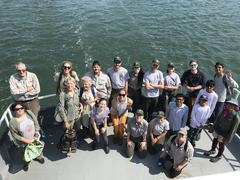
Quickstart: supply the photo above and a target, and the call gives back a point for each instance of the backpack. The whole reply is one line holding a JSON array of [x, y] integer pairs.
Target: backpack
[[229, 88], [68, 141], [185, 145], [92, 90]]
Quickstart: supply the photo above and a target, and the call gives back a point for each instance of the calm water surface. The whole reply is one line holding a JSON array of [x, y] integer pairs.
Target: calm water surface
[[44, 33]]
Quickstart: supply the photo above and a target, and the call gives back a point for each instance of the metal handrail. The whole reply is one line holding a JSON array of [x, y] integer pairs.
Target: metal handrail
[[7, 115]]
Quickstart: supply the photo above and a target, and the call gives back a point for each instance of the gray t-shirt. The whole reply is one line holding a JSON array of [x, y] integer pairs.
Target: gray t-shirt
[[137, 129], [171, 80], [118, 78], [155, 78], [157, 127]]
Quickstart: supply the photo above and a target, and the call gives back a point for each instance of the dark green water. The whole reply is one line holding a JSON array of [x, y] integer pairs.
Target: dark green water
[[44, 33]]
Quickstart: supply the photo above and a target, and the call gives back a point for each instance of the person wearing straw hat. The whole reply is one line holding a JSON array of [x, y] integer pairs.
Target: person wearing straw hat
[[224, 129]]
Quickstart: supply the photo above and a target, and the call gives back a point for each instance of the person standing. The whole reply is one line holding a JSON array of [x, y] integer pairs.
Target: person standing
[[24, 128], [177, 114], [199, 117], [137, 135], [25, 88], [119, 78], [211, 95], [100, 80], [135, 85], [69, 106], [153, 81], [193, 80], [224, 83], [65, 73], [224, 129], [171, 85]]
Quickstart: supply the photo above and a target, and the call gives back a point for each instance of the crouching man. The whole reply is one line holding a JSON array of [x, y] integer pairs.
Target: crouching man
[[137, 135], [177, 153]]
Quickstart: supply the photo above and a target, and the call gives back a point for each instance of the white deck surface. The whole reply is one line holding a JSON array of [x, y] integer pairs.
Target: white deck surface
[[86, 164]]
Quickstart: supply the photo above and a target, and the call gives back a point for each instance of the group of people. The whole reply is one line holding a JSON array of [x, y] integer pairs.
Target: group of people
[[165, 121]]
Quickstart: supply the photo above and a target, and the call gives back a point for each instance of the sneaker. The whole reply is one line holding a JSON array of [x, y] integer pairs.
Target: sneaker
[[40, 160], [26, 167], [208, 153], [215, 159], [106, 149]]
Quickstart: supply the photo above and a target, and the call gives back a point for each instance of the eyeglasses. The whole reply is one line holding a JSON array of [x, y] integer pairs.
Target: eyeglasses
[[155, 65], [17, 109], [66, 67], [21, 70], [178, 99], [193, 65], [122, 95]]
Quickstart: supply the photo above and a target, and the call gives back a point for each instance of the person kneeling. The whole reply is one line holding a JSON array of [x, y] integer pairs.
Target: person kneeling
[[177, 153], [158, 128], [99, 117], [137, 134]]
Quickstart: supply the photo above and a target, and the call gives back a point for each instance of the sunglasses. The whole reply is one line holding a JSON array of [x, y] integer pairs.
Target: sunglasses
[[122, 95], [21, 70], [66, 67], [193, 65], [17, 109]]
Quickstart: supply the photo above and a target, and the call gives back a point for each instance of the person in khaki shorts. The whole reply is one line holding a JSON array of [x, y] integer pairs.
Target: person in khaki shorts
[[137, 135]]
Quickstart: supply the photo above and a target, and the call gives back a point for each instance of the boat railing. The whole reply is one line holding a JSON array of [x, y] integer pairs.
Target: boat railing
[[7, 115]]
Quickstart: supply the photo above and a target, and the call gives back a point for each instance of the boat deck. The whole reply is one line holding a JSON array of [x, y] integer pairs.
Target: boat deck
[[86, 164]]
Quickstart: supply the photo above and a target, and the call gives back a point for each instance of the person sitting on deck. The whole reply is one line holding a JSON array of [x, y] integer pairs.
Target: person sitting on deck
[[178, 152], [119, 111], [99, 117], [24, 128], [65, 73], [224, 129], [158, 128], [137, 135], [199, 116]]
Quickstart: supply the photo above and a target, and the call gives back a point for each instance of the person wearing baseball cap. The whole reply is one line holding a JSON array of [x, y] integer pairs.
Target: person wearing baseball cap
[[153, 81], [158, 128], [119, 78], [135, 85], [171, 85], [137, 135], [178, 152], [224, 129], [199, 116]]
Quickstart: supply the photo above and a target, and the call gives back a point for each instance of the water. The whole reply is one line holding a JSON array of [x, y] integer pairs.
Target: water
[[44, 33]]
